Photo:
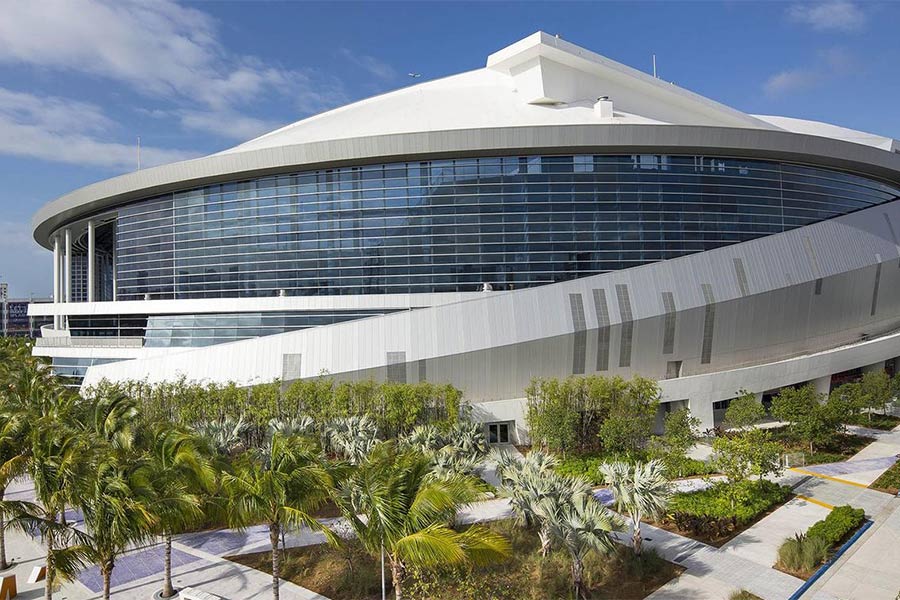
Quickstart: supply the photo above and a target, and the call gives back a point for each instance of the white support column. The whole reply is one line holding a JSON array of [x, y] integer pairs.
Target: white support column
[[822, 385], [115, 263], [91, 267], [68, 266], [56, 294]]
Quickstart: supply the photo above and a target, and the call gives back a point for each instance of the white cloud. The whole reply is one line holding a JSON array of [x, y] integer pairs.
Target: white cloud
[[62, 130], [376, 67], [829, 64], [25, 264], [791, 80], [160, 49], [838, 15]]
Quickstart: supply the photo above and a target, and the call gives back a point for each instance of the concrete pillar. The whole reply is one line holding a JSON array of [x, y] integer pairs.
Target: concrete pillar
[[822, 385], [873, 368], [703, 410], [68, 266], [91, 266], [896, 365], [56, 294], [115, 277]]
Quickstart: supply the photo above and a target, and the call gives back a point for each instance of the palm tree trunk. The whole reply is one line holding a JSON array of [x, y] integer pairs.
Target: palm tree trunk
[[545, 543], [48, 581], [578, 578], [107, 574], [3, 564], [168, 590], [397, 572], [636, 539], [276, 558]]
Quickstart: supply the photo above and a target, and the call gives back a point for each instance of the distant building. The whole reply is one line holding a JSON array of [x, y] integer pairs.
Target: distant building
[[14, 318], [622, 224]]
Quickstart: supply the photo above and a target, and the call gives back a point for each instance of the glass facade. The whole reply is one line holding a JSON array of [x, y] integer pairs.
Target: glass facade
[[452, 225], [163, 331]]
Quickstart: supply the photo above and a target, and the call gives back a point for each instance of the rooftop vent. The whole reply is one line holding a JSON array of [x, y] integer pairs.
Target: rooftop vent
[[604, 107]]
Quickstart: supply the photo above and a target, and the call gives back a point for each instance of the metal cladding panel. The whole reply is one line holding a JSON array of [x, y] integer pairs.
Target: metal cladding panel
[[491, 344]]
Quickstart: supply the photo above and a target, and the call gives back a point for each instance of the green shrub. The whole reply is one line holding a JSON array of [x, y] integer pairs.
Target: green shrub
[[743, 595], [586, 465], [838, 524], [711, 511], [802, 553]]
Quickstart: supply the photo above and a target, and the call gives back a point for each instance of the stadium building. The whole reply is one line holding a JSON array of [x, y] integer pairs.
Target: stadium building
[[553, 213]]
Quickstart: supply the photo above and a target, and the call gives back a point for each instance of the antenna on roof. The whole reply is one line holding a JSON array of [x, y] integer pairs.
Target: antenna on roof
[[139, 152], [654, 67]]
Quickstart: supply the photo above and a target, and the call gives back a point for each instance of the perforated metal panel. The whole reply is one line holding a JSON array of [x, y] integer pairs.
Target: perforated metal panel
[[579, 340], [709, 323], [875, 289], [602, 311], [741, 276], [396, 367], [627, 325], [423, 375], [668, 300], [290, 366]]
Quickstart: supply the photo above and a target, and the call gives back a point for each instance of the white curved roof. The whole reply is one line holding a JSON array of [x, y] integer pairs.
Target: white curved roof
[[540, 80]]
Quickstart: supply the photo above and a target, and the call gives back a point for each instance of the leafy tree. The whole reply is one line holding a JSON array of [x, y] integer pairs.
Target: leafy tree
[[551, 415], [744, 411], [877, 389], [581, 527], [679, 436], [280, 486], [639, 490], [632, 416], [396, 506], [813, 419], [748, 453]]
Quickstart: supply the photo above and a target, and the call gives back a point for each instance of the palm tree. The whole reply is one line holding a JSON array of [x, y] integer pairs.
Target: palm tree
[[57, 455], [280, 486], [13, 459], [640, 490], [581, 526], [531, 481], [225, 436], [352, 437], [178, 470], [116, 508], [397, 507]]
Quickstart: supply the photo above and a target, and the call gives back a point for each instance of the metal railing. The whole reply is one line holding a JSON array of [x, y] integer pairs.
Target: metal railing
[[90, 342]]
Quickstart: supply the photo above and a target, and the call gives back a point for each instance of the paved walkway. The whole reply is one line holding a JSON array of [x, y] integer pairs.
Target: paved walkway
[[869, 569]]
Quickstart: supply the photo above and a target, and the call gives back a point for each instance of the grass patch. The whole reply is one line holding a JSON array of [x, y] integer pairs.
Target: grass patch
[[889, 481], [709, 516], [882, 422], [842, 447], [350, 574]]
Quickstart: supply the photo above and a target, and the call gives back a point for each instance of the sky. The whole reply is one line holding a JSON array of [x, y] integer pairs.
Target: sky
[[81, 80]]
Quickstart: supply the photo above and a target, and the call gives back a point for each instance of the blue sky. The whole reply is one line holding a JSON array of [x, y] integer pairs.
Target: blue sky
[[81, 79]]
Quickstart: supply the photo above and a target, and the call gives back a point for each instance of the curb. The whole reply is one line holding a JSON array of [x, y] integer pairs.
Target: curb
[[821, 570]]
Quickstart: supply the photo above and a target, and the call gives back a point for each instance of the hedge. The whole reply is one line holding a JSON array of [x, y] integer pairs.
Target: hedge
[[838, 524], [710, 511]]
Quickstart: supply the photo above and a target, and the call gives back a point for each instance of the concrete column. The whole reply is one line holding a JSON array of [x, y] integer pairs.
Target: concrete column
[[91, 266], [68, 266], [56, 294], [115, 263], [822, 384]]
